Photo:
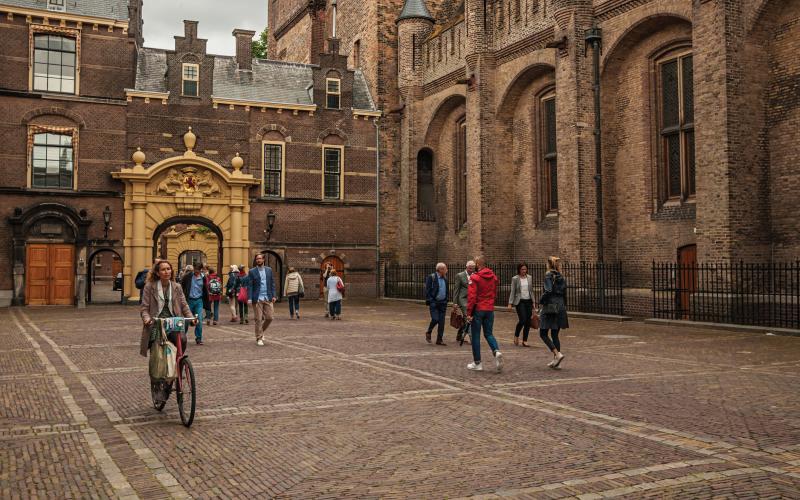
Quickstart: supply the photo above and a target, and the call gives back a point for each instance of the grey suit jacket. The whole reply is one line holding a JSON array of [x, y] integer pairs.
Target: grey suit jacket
[[514, 298], [460, 292]]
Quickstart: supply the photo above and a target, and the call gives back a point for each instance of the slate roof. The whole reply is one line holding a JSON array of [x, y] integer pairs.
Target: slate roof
[[106, 9], [268, 82], [415, 9]]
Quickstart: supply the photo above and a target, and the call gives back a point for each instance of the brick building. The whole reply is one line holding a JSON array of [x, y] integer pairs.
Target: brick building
[[488, 141], [107, 144]]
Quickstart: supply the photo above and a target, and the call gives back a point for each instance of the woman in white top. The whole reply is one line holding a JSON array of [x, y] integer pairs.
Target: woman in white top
[[521, 299], [334, 295]]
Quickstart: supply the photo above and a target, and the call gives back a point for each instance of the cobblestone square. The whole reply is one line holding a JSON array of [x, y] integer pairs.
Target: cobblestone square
[[365, 408]]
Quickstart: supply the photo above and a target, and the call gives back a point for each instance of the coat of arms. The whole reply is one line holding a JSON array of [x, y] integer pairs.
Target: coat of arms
[[188, 180]]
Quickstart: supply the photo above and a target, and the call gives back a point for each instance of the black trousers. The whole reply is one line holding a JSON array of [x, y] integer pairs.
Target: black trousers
[[524, 311], [554, 344]]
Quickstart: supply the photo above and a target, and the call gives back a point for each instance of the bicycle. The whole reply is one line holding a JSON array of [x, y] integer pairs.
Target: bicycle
[[184, 380]]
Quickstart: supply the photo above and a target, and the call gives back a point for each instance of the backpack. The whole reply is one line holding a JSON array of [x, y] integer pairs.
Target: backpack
[[140, 279], [215, 286]]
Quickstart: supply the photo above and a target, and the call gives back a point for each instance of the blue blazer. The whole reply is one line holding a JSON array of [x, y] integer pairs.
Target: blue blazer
[[254, 287], [432, 289]]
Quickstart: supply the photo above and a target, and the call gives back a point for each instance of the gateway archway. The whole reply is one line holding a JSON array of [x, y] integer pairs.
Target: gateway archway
[[183, 187]]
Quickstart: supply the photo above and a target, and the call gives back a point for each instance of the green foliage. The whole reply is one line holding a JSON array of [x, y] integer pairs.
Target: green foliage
[[260, 45]]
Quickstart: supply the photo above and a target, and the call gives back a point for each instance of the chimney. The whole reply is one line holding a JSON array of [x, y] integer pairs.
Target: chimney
[[244, 48], [190, 30]]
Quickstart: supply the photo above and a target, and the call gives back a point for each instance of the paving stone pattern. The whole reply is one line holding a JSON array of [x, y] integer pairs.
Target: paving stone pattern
[[365, 408]]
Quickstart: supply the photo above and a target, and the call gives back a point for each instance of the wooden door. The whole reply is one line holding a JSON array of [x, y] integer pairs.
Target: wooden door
[[687, 278], [51, 274], [337, 264], [116, 266]]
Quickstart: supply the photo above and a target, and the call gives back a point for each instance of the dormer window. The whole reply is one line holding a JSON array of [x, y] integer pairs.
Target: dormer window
[[333, 93], [57, 5], [190, 79]]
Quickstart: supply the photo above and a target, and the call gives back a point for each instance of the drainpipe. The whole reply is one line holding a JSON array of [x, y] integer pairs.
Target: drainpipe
[[594, 37], [377, 209]]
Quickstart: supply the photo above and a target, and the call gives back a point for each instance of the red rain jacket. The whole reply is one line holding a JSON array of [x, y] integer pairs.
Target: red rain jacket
[[482, 291]]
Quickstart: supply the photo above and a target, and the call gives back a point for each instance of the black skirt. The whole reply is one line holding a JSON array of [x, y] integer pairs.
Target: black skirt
[[555, 321]]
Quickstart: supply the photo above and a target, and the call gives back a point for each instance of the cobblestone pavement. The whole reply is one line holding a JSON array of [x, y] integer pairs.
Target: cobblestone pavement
[[364, 407]]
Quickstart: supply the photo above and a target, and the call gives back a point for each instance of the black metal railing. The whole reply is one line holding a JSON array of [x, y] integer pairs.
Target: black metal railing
[[591, 287], [763, 294]]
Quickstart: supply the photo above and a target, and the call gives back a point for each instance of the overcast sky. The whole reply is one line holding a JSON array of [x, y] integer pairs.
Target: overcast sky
[[163, 20]]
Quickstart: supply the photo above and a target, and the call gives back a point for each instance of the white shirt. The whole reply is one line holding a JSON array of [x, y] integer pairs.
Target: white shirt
[[524, 291], [333, 293]]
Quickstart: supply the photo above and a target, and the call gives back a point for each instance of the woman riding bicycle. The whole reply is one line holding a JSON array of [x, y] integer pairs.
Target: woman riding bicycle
[[161, 298]]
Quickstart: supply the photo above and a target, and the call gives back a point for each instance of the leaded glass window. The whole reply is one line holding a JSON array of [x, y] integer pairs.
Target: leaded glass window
[[677, 126], [549, 156], [273, 169], [333, 173]]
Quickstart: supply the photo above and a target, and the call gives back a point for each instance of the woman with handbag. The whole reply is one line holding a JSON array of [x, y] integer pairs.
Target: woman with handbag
[[521, 299], [231, 291], [242, 283], [161, 298], [553, 316], [294, 289], [335, 287]]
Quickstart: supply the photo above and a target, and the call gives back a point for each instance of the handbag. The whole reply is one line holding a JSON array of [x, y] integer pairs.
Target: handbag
[[550, 309], [340, 287], [535, 320], [163, 357], [173, 325], [242, 295], [456, 319]]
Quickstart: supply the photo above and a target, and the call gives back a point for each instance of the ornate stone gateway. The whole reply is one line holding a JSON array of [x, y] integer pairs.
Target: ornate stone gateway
[[185, 186]]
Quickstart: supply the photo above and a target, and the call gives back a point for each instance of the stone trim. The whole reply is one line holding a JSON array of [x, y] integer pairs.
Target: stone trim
[[59, 30], [66, 113], [38, 129]]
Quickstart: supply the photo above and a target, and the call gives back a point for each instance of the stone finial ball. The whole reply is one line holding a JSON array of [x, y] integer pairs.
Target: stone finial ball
[[138, 156], [237, 162]]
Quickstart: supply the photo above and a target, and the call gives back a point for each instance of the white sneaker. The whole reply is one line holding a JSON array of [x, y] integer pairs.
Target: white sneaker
[[498, 361], [557, 360], [475, 366], [260, 342], [550, 364]]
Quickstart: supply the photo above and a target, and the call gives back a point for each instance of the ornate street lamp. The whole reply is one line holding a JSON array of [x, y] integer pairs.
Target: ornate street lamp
[[106, 222], [271, 216]]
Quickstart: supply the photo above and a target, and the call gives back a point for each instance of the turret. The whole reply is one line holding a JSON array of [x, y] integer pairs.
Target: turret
[[413, 27]]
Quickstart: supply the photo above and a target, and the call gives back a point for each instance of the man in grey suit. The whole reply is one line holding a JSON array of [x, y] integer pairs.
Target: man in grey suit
[[460, 298]]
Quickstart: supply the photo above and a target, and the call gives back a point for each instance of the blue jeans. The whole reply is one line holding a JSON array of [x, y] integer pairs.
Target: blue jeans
[[294, 304], [484, 319], [335, 308], [196, 306], [215, 306], [438, 310]]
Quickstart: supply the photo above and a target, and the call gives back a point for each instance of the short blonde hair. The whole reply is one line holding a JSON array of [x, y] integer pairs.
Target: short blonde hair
[[553, 263]]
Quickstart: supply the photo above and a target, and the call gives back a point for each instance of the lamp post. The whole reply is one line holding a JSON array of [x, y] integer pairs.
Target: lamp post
[[271, 216], [106, 222]]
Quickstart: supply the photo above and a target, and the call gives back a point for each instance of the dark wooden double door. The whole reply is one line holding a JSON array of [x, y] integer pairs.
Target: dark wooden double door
[[50, 274]]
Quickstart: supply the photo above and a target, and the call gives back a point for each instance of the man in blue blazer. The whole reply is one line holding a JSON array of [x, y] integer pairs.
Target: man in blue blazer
[[436, 297], [261, 294]]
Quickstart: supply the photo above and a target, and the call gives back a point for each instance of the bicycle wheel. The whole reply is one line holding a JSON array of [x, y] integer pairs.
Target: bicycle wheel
[[157, 393], [187, 396]]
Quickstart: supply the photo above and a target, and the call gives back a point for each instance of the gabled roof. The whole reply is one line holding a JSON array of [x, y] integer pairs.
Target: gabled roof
[[275, 82], [106, 9], [415, 9]]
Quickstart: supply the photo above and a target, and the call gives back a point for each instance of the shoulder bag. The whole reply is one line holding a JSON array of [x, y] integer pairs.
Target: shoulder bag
[[456, 318]]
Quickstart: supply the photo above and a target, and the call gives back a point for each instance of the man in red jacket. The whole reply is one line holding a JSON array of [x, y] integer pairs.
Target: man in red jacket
[[480, 312]]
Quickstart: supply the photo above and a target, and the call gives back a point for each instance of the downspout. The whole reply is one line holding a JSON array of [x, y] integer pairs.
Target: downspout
[[594, 37], [377, 209]]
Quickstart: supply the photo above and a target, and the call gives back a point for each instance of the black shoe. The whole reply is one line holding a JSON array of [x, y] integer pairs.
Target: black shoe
[[199, 342], [428, 337], [440, 342]]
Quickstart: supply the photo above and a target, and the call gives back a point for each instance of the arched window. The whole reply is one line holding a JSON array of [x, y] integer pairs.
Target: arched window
[[461, 172], [676, 124], [547, 153], [425, 195]]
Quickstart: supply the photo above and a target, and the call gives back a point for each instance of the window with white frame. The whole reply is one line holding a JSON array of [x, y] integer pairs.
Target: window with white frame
[[273, 169], [332, 172], [333, 93], [54, 63], [52, 160], [190, 79]]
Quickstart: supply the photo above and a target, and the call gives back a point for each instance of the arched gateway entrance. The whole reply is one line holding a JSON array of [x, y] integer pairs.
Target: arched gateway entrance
[[183, 187]]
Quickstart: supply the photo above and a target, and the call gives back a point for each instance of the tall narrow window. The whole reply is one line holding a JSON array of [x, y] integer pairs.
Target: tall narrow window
[[333, 93], [191, 79], [332, 172], [461, 173], [54, 63], [273, 169], [425, 194], [549, 156], [677, 126], [357, 54], [52, 161]]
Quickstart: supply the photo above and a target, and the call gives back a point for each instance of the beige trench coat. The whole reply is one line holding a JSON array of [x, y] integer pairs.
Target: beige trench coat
[[149, 309]]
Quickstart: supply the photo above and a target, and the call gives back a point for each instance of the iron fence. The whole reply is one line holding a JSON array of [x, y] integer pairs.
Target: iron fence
[[594, 287], [763, 294]]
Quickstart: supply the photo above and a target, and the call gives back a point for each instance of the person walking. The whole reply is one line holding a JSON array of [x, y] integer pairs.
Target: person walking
[[262, 295], [242, 292], [436, 298], [554, 310], [521, 299], [335, 287], [294, 289], [214, 294], [460, 297], [326, 273], [480, 312], [195, 289], [231, 291], [162, 297], [141, 280]]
